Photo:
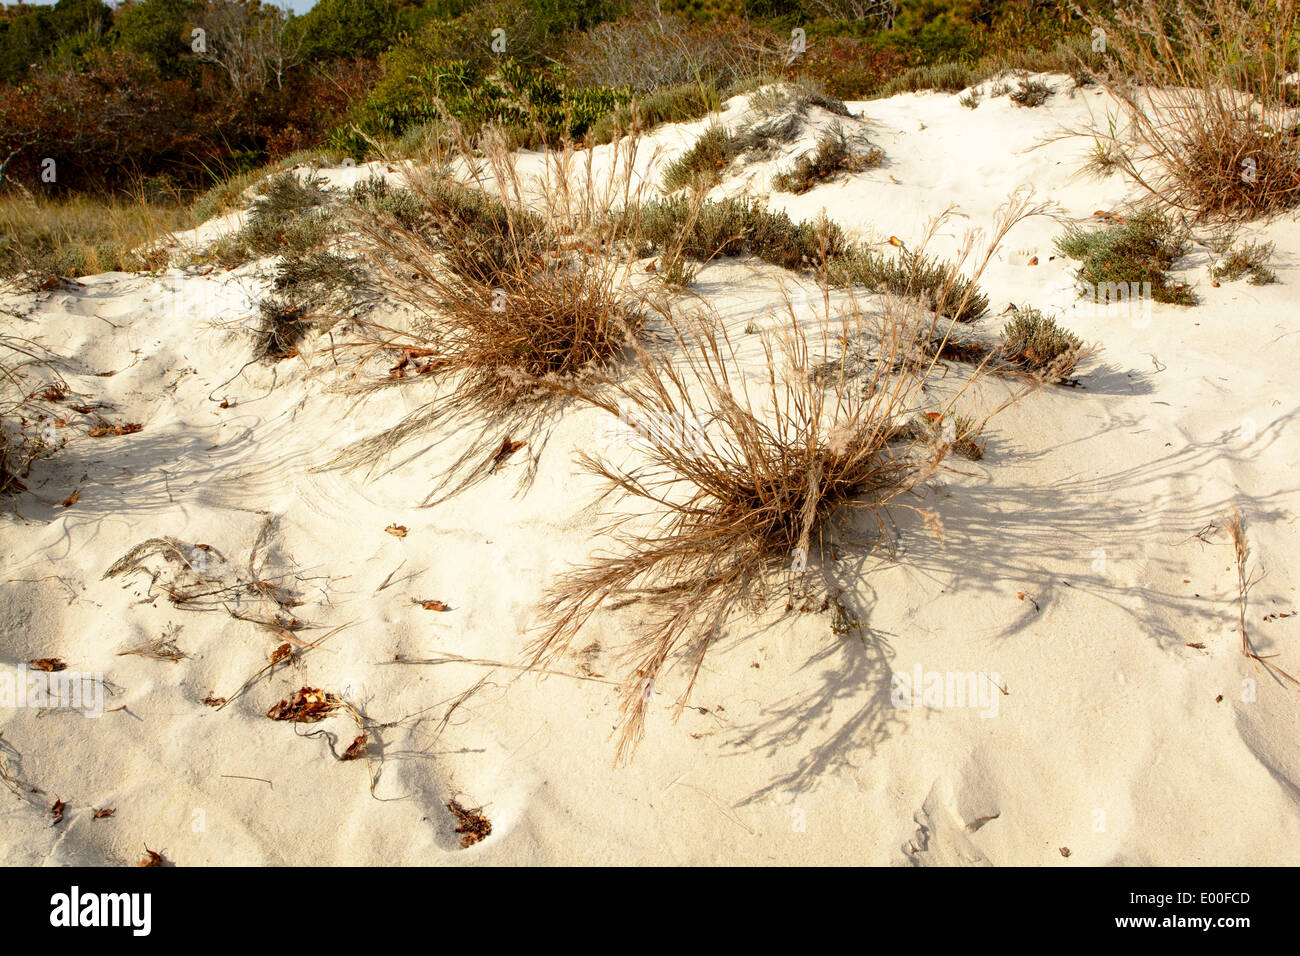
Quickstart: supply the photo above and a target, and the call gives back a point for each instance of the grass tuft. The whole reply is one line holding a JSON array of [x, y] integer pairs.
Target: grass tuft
[[1247, 259], [513, 298], [1031, 93], [1207, 90], [836, 153], [83, 235]]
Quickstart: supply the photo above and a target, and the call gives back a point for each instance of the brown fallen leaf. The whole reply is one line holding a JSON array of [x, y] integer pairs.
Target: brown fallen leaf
[[71, 500], [1065, 851], [106, 812], [433, 605], [130, 428], [48, 664], [152, 858], [1199, 646], [507, 449], [1033, 261], [409, 355], [56, 811], [307, 706], [55, 393], [397, 530], [225, 403], [356, 749], [281, 652], [214, 701]]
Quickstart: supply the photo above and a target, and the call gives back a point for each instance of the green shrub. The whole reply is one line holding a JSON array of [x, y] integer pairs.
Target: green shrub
[[345, 29], [704, 162], [1247, 259], [1141, 250], [538, 107], [947, 77], [291, 217], [912, 275], [678, 104], [835, 153], [1035, 343], [734, 227], [1031, 93], [378, 196]]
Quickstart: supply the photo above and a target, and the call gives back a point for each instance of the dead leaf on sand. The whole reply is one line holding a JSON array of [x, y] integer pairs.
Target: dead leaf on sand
[[397, 530], [130, 428], [307, 706], [472, 823], [433, 605], [106, 812], [48, 664], [356, 749], [152, 858], [71, 500], [507, 449]]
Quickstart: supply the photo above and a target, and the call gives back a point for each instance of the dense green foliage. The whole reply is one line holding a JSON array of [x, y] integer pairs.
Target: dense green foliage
[[169, 110]]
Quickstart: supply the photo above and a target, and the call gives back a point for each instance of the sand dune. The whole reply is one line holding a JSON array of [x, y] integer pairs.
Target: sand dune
[[1084, 587]]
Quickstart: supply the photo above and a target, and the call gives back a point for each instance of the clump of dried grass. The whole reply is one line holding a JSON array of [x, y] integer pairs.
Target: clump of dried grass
[[912, 274], [1209, 93], [795, 97], [517, 288], [746, 486], [1246, 579], [31, 391], [83, 235], [160, 648], [782, 110], [699, 229]]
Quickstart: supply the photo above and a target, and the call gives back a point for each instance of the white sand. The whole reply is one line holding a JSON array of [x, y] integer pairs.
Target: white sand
[[1110, 739]]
